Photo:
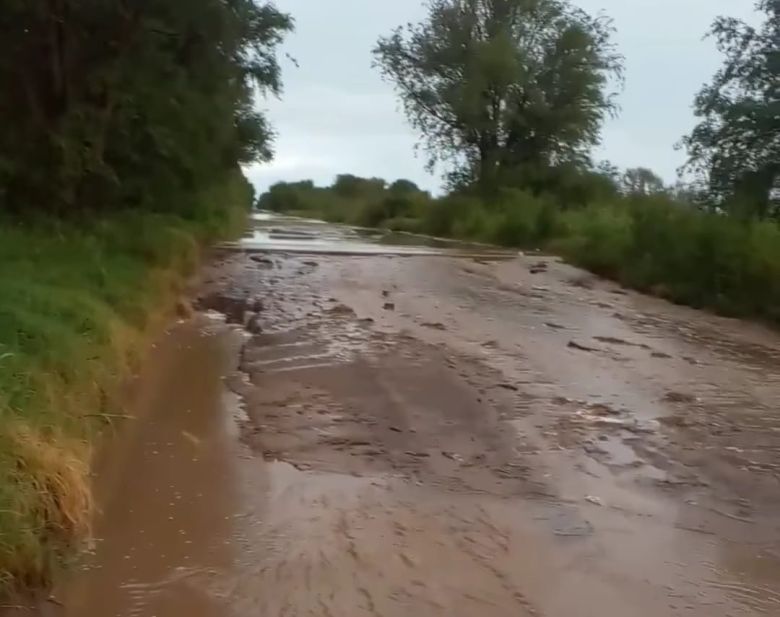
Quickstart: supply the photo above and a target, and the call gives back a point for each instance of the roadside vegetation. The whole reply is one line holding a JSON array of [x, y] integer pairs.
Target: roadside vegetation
[[510, 97], [124, 128]]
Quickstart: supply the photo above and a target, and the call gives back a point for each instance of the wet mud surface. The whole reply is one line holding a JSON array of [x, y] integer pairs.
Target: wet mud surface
[[371, 434]]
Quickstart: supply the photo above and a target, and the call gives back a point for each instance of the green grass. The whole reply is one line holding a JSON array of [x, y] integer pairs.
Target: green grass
[[78, 301]]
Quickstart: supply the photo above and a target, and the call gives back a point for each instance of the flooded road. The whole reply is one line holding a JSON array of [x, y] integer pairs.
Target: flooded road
[[442, 430]]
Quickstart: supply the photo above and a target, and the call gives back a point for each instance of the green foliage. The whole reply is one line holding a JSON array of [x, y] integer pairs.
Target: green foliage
[[354, 187], [496, 85], [679, 252], [641, 181], [367, 202], [110, 104], [456, 215], [736, 146], [597, 237]]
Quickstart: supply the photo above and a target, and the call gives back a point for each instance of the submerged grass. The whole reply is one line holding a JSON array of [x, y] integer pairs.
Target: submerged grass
[[77, 304]]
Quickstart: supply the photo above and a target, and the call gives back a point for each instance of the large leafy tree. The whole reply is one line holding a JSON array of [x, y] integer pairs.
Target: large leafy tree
[[641, 181], [501, 87], [735, 148], [111, 103]]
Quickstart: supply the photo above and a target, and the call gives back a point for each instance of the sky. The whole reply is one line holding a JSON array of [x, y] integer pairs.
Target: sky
[[337, 115]]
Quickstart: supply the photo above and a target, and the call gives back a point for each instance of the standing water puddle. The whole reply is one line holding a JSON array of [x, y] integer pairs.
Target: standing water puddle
[[167, 489], [277, 233]]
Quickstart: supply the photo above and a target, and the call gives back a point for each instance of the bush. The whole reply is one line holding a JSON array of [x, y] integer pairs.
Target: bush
[[375, 213], [673, 250], [520, 219], [443, 216], [597, 238]]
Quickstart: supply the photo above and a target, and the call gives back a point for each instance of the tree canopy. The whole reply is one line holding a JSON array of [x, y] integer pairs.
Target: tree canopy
[[116, 103], [641, 181], [501, 87], [736, 146]]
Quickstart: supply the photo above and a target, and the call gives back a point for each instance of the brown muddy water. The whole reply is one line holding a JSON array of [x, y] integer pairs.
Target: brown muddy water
[[348, 432]]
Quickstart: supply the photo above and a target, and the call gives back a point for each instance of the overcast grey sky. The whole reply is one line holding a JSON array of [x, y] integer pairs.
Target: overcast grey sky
[[337, 116]]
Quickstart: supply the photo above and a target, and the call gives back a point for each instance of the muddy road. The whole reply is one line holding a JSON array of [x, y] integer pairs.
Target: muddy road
[[401, 431]]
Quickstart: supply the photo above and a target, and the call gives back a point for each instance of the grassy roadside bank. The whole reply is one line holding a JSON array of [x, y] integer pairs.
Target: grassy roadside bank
[[652, 243], [78, 301]]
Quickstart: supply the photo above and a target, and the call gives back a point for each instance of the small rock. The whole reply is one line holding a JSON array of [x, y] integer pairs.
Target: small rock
[[677, 421], [254, 326], [590, 448], [418, 454], [555, 326], [508, 386], [385, 293], [679, 397], [257, 305], [600, 409], [576, 345], [389, 306], [660, 354], [372, 452], [435, 326], [341, 309], [312, 264], [263, 261], [594, 500], [184, 309], [584, 282], [396, 429]]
